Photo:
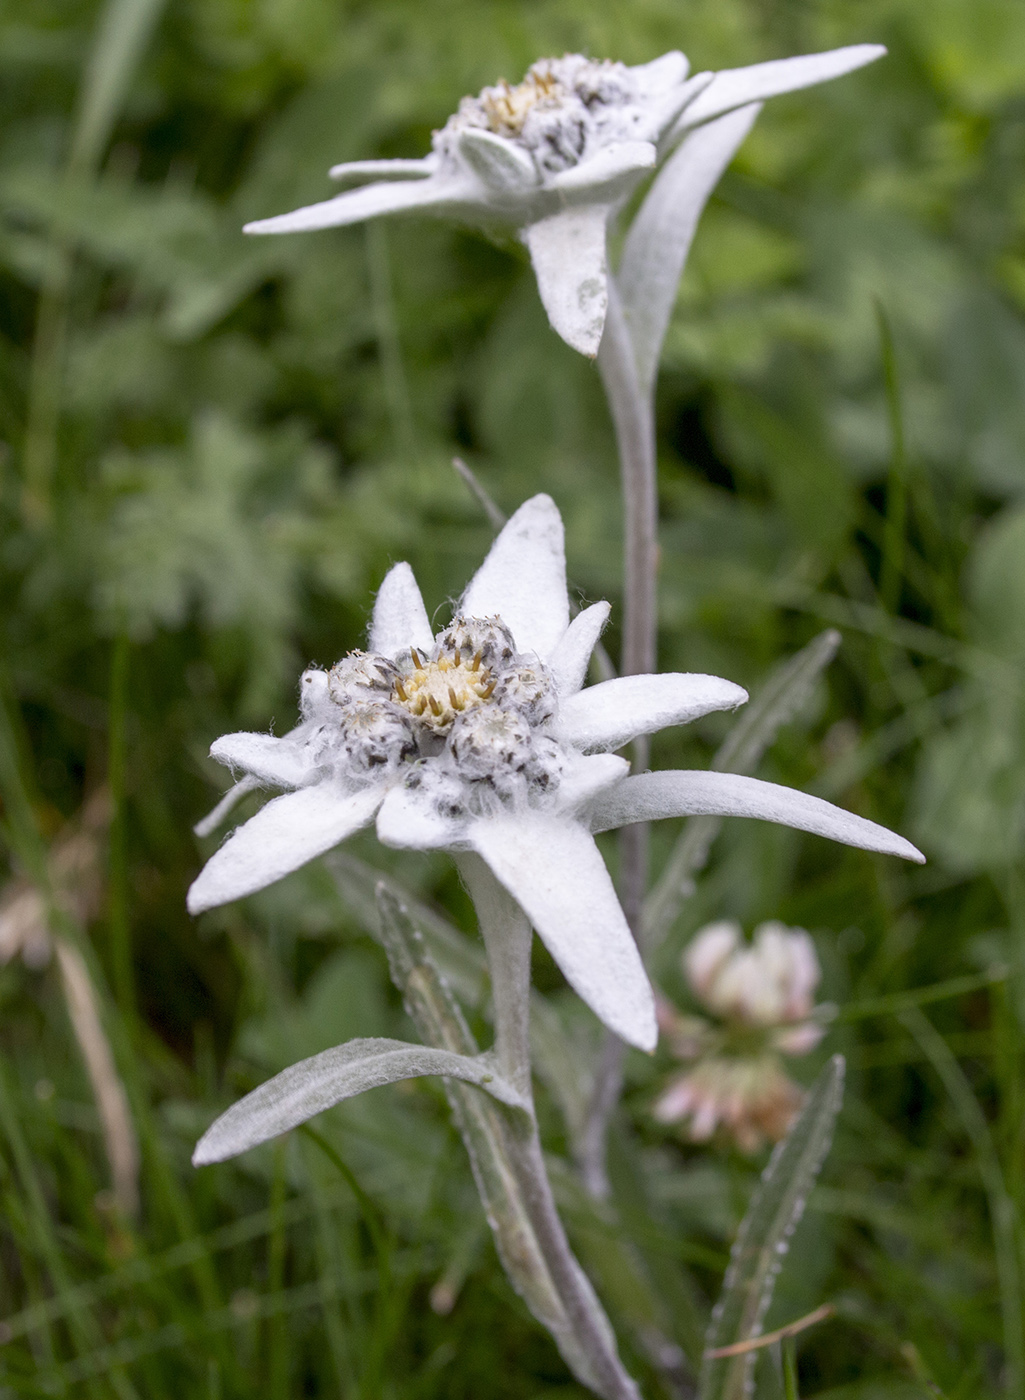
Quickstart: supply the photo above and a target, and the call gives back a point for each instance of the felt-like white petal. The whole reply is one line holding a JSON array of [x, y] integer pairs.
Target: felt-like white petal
[[661, 73], [282, 836], [651, 796], [409, 820], [279, 762], [400, 619], [567, 251], [555, 872], [609, 715], [368, 202], [610, 170], [736, 87], [523, 579], [663, 109], [661, 233], [356, 171], [503, 166], [568, 662], [586, 775]]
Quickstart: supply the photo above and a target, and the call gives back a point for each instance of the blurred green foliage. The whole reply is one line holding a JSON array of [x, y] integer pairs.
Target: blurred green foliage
[[212, 448]]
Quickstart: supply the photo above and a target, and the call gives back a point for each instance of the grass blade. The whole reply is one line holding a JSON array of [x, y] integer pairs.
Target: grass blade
[[121, 36], [1001, 1207]]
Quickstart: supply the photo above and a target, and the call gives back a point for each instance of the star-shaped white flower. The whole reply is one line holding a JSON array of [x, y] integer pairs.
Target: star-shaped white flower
[[553, 157], [483, 738]]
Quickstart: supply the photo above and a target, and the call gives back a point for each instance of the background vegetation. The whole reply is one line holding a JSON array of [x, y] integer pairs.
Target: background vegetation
[[212, 449]]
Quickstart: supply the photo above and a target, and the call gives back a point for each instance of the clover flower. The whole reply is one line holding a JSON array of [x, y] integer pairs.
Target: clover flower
[[554, 156], [762, 996], [484, 739]]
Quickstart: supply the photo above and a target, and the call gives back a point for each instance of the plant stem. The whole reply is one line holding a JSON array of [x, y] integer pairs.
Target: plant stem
[[633, 416], [507, 939], [634, 421]]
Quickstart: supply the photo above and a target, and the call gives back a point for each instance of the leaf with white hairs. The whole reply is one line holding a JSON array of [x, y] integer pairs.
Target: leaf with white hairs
[[307, 1088]]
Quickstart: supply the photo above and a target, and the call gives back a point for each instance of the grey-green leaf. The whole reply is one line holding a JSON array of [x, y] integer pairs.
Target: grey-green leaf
[[762, 1240], [660, 236], [307, 1088], [783, 696]]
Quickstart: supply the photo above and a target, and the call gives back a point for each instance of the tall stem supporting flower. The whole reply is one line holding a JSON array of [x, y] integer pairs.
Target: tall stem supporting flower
[[633, 416], [507, 940]]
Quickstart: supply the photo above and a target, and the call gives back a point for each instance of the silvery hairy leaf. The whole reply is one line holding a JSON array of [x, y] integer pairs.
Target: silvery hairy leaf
[[485, 1129], [660, 235], [307, 1088], [779, 700]]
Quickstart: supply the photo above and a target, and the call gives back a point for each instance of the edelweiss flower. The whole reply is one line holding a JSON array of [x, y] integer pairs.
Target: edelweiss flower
[[483, 739], [552, 158], [762, 996]]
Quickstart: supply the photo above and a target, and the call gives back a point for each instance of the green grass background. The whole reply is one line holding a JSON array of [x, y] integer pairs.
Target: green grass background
[[211, 448]]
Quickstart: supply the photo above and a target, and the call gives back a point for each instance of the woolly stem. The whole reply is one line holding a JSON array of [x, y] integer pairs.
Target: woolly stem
[[633, 416], [507, 938]]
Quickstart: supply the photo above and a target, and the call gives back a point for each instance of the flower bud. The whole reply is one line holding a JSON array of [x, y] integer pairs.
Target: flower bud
[[486, 637], [360, 676], [376, 734]]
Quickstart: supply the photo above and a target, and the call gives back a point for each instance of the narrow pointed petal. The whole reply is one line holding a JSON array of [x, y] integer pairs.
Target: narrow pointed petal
[[569, 660], [613, 170], [663, 109], [555, 872], [651, 796], [209, 824], [609, 715], [661, 73], [523, 579], [279, 762], [660, 236], [311, 1086], [410, 821], [502, 165], [586, 776], [735, 87], [568, 253], [282, 836], [400, 619], [356, 171], [368, 202]]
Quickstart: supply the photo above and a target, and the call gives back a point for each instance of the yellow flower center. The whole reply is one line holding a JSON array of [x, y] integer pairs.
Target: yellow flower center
[[507, 107], [437, 691]]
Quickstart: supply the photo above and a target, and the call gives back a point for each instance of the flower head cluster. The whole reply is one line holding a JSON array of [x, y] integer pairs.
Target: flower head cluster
[[762, 997], [467, 724], [484, 739], [553, 156]]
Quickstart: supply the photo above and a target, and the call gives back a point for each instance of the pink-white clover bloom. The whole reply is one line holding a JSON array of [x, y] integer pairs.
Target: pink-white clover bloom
[[762, 998]]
